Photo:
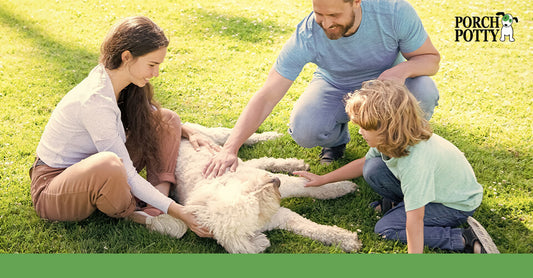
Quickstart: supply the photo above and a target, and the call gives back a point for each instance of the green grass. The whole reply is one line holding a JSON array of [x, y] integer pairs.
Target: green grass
[[219, 55]]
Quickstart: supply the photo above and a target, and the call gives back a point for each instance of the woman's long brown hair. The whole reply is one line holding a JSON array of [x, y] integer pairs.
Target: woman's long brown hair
[[140, 113]]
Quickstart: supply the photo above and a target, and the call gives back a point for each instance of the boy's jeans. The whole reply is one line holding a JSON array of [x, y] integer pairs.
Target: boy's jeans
[[440, 222]]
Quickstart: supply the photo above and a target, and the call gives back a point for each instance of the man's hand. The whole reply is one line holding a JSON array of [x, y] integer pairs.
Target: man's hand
[[394, 74], [423, 61], [219, 163]]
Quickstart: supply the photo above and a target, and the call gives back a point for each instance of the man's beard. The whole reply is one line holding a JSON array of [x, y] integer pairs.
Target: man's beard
[[341, 29]]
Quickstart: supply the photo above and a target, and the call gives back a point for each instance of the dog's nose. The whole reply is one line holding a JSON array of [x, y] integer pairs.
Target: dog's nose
[[275, 181]]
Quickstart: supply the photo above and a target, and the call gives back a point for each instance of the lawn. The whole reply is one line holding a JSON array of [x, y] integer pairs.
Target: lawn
[[219, 55]]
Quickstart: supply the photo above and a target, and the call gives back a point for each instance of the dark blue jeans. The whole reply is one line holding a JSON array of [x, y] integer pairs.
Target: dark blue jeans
[[440, 222]]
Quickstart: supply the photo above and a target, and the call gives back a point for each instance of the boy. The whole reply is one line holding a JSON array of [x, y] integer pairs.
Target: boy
[[426, 178]]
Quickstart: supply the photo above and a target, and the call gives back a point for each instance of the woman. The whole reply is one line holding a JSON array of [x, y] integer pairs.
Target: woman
[[429, 180], [107, 129]]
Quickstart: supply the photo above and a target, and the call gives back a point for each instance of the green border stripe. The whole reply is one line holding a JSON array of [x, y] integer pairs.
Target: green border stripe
[[262, 265]]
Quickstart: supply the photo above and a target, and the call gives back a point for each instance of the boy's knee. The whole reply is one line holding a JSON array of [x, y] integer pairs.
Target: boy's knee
[[378, 229], [385, 230], [386, 233]]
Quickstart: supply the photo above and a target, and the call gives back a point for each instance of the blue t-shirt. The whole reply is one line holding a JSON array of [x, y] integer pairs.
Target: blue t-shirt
[[387, 28], [434, 171]]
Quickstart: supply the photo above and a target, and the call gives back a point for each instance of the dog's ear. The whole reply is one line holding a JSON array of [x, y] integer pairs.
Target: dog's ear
[[515, 18], [500, 13]]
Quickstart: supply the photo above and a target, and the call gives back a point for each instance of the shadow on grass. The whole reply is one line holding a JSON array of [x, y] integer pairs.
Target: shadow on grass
[[252, 30], [59, 58]]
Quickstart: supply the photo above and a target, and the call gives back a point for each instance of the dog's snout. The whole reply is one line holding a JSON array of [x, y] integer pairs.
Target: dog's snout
[[275, 181]]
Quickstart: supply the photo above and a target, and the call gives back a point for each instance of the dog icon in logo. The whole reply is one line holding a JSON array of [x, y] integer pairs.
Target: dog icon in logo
[[507, 28]]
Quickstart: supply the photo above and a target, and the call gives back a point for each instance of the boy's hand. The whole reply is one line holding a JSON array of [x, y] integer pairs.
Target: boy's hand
[[314, 180]]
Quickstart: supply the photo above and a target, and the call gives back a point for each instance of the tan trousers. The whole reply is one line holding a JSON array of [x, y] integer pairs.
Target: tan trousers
[[100, 181]]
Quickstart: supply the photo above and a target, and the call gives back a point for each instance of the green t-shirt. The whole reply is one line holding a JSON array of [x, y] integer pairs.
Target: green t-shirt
[[435, 171]]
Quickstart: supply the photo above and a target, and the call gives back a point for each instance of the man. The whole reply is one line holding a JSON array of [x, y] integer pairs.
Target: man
[[350, 41]]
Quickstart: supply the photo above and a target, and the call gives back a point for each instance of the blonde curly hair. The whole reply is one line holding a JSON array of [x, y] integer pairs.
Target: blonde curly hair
[[389, 108]]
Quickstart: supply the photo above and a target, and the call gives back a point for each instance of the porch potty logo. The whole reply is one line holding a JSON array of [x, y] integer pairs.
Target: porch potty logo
[[485, 28]]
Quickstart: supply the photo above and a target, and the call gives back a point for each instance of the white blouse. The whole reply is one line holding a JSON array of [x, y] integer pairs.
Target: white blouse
[[88, 121]]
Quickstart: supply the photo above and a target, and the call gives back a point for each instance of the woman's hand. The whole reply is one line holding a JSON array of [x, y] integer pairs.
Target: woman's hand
[[198, 140], [190, 221], [314, 180], [177, 211]]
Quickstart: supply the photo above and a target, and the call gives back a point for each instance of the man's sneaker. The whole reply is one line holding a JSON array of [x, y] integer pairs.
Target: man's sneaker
[[329, 155], [476, 233]]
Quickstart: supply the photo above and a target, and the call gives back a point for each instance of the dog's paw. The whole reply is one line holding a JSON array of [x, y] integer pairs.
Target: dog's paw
[[260, 242], [335, 189], [262, 137], [254, 244], [167, 225], [294, 187], [351, 243], [277, 165]]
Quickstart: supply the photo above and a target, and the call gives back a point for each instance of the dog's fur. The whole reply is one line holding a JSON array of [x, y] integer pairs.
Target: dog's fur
[[239, 206]]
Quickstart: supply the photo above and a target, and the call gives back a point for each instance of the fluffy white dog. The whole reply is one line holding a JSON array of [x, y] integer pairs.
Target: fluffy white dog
[[239, 206]]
